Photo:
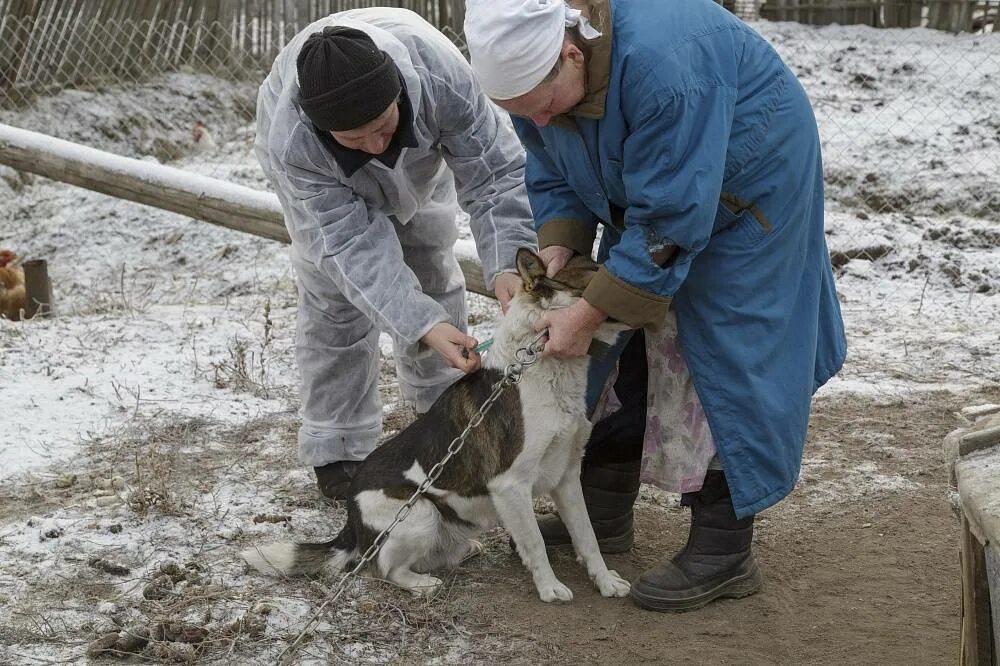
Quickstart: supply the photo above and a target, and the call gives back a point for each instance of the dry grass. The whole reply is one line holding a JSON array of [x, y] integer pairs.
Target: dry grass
[[164, 474]]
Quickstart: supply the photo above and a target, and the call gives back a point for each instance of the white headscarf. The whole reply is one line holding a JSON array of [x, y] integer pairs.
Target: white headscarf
[[514, 44]]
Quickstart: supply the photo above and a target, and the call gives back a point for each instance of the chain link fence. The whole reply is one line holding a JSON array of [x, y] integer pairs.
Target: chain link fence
[[910, 122]]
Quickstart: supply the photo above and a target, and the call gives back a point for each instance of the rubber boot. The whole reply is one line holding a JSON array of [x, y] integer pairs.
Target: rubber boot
[[716, 562], [609, 491]]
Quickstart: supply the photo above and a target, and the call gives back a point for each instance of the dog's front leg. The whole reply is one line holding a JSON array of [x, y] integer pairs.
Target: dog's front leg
[[568, 498], [516, 511]]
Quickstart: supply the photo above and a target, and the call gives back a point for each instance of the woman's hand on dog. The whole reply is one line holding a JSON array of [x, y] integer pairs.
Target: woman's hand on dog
[[570, 329], [505, 286], [555, 257], [457, 348]]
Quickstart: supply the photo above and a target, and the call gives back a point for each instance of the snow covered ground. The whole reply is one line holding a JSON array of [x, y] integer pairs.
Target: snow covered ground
[[143, 421]]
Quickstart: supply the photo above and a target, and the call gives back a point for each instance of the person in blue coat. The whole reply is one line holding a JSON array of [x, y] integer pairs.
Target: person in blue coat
[[679, 130]]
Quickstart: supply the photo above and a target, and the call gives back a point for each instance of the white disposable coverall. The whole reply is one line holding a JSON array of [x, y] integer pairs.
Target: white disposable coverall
[[374, 251]]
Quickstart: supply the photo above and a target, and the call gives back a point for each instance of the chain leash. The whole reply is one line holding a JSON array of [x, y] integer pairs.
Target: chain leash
[[512, 374]]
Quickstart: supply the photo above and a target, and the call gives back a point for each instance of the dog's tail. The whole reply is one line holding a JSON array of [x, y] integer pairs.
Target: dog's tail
[[300, 559]]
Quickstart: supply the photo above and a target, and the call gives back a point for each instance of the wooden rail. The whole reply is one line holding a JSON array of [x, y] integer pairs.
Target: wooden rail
[[200, 197]]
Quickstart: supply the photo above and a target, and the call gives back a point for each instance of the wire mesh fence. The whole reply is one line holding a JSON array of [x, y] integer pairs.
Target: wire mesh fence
[[909, 118], [39, 62], [949, 15]]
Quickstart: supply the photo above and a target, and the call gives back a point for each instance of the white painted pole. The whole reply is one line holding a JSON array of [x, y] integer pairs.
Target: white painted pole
[[200, 197]]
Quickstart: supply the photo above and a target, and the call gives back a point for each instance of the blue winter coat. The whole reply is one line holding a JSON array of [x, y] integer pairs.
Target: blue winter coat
[[695, 141]]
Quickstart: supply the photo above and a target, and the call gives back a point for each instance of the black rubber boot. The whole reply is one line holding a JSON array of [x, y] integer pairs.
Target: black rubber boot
[[716, 562], [609, 491], [334, 479], [610, 474]]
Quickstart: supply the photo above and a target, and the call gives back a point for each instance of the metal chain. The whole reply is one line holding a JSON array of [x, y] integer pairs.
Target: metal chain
[[512, 374]]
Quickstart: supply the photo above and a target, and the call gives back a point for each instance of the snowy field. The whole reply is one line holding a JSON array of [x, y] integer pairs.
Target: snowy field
[[150, 426]]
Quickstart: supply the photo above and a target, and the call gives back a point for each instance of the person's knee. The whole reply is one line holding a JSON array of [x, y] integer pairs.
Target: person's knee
[[321, 444]]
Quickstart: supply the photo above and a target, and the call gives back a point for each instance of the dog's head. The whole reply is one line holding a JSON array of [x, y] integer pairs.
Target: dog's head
[[540, 293], [561, 289]]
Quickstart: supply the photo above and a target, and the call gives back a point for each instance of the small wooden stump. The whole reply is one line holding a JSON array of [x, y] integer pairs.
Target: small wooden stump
[[38, 289]]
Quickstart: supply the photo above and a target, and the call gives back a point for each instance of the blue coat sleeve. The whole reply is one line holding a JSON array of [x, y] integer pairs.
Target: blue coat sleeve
[[672, 169], [560, 217]]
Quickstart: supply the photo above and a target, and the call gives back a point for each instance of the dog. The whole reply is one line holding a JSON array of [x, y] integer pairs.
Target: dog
[[530, 443]]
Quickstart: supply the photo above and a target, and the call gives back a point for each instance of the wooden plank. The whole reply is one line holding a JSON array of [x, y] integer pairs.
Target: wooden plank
[[78, 43], [152, 31], [125, 47], [264, 30], [14, 34], [977, 624], [186, 42], [816, 9], [890, 14], [912, 13], [218, 202], [37, 39], [787, 10], [51, 62], [934, 11], [207, 36], [225, 58], [454, 16], [978, 440], [992, 552], [246, 21], [83, 43], [102, 55], [302, 18]]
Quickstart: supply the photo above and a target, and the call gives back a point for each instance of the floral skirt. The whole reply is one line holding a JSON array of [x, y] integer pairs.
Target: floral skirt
[[678, 445]]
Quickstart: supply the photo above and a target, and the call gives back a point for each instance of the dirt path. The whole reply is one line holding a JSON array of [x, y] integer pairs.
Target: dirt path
[[865, 575]]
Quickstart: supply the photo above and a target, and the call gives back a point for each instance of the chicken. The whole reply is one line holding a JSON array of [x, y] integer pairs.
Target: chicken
[[202, 138], [13, 298]]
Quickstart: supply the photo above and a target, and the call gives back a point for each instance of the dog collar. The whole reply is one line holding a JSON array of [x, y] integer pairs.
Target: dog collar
[[597, 348]]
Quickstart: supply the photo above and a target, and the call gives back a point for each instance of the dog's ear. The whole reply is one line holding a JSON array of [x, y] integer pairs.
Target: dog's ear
[[530, 267]]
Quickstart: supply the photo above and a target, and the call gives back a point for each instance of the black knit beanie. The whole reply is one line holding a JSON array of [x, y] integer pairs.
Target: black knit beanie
[[345, 80]]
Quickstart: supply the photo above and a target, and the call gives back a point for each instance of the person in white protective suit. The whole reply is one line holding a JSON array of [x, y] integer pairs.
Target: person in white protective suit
[[373, 131]]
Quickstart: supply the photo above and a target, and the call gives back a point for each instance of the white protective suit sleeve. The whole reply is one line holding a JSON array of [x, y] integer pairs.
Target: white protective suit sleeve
[[484, 154], [358, 249]]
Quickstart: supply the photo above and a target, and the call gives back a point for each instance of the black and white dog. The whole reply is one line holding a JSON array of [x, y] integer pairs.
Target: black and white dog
[[530, 443]]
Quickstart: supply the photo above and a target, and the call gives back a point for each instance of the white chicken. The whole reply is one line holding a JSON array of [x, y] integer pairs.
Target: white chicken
[[202, 139]]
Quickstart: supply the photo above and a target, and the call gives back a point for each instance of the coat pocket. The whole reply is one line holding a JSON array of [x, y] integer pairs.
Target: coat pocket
[[741, 216]]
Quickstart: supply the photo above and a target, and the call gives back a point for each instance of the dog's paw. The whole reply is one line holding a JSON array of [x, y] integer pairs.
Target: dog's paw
[[424, 585], [612, 585], [473, 549], [554, 591]]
